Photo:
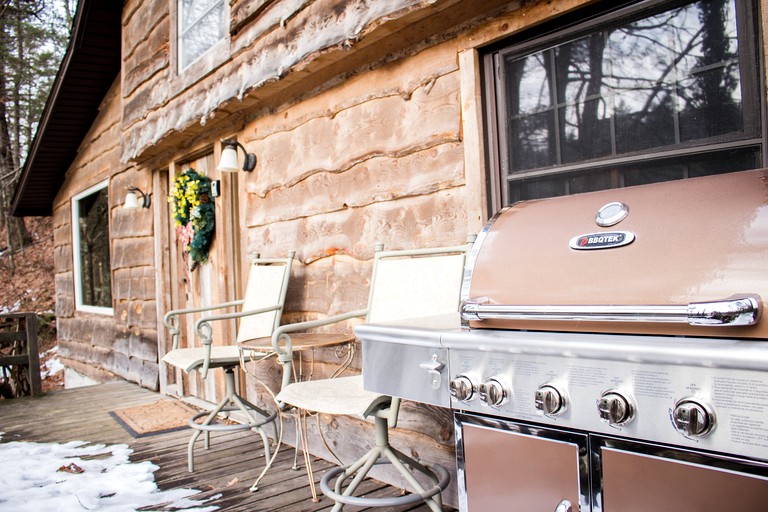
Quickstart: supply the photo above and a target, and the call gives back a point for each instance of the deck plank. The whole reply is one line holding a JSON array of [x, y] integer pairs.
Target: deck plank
[[223, 474]]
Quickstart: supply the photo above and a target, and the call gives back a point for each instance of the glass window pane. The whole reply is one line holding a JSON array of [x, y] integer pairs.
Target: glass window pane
[[530, 84], [638, 173], [95, 269], [533, 145], [592, 181], [713, 104], [200, 28], [530, 113], [586, 131], [641, 60], [649, 128], [193, 10], [585, 124], [536, 188]]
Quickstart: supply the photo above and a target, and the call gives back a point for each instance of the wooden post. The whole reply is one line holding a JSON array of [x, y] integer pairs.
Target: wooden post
[[33, 354], [21, 350]]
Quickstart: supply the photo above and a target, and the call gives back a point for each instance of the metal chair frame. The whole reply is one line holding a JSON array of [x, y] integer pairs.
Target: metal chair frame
[[204, 330], [384, 411]]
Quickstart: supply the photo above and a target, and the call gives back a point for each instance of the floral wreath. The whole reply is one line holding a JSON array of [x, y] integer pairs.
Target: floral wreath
[[194, 214]]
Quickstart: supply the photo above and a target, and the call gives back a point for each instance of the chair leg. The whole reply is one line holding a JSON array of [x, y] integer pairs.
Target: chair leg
[[384, 453], [264, 438], [301, 420], [360, 470], [230, 402], [397, 458], [210, 417], [298, 440]]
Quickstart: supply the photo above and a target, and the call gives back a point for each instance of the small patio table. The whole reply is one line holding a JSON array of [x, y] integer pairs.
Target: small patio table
[[300, 343]]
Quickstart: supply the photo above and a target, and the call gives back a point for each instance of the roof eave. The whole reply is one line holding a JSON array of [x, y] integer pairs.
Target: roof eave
[[96, 32]]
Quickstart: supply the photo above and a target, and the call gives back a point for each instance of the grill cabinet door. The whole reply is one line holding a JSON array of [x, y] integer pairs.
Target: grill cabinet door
[[638, 482], [519, 468]]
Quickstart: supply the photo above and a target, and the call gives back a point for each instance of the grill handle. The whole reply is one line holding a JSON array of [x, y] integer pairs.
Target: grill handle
[[740, 310]]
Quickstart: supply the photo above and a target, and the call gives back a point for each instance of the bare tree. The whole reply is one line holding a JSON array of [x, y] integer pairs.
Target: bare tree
[[33, 38]]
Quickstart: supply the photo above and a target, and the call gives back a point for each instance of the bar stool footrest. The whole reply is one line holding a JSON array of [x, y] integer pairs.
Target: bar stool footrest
[[219, 427], [436, 471]]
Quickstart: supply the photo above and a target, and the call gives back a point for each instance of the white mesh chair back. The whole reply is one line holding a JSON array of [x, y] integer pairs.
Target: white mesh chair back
[[266, 287], [419, 283]]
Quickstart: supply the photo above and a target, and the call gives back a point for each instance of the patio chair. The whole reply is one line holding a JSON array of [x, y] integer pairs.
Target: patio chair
[[405, 284], [259, 315]]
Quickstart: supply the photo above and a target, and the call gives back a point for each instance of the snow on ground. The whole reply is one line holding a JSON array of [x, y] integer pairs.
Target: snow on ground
[[12, 309], [76, 476], [50, 364]]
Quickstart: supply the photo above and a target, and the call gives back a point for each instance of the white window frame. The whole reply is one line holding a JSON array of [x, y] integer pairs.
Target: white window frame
[[77, 263]]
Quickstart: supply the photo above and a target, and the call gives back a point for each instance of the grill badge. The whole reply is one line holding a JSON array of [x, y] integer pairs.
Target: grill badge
[[605, 240]]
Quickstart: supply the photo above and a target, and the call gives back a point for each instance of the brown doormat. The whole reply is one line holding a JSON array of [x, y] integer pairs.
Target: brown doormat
[[155, 418]]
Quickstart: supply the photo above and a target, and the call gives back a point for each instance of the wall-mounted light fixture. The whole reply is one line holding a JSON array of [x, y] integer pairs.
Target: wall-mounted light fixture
[[132, 199], [228, 162]]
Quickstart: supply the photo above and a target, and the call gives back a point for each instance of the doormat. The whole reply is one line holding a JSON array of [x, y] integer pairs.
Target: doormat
[[155, 418]]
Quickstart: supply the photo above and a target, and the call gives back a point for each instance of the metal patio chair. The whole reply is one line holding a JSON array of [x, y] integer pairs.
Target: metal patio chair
[[259, 314], [405, 284]]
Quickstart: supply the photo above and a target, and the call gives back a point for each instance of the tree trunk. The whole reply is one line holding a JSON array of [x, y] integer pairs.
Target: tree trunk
[[16, 232]]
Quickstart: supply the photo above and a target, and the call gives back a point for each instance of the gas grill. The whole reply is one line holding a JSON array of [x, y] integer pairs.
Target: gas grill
[[609, 353]]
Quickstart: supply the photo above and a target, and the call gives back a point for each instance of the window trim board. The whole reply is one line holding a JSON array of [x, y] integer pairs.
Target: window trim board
[[76, 261]]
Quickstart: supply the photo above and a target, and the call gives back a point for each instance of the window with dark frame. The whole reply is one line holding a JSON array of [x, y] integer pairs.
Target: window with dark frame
[[653, 91]]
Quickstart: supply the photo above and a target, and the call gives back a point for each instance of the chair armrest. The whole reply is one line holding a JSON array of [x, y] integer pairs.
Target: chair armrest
[[281, 333], [170, 316], [285, 356], [171, 320], [203, 326], [205, 330]]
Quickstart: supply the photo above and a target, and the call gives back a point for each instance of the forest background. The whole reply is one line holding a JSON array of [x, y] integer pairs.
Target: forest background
[[34, 35]]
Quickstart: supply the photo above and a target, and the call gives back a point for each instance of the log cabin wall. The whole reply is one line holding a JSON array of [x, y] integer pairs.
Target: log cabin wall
[[379, 157], [123, 344], [365, 118]]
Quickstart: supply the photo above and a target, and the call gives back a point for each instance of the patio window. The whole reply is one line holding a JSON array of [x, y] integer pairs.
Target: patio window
[[90, 242], [651, 91], [201, 24]]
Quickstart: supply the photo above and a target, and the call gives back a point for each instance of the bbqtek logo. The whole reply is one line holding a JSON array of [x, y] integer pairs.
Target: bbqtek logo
[[607, 240]]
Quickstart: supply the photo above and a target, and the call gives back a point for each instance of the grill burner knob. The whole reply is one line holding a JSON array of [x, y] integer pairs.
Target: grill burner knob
[[550, 400], [462, 388], [693, 417], [493, 393], [616, 408]]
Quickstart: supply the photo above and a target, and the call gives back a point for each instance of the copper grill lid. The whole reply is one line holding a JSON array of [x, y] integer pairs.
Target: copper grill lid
[[686, 257]]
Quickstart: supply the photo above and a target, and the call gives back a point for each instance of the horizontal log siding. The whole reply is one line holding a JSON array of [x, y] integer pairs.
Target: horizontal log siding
[[289, 48], [125, 344], [378, 158], [354, 109]]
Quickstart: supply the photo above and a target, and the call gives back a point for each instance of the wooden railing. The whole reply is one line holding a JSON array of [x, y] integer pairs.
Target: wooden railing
[[19, 358]]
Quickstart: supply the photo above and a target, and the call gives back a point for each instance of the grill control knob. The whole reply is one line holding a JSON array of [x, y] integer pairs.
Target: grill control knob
[[462, 388], [493, 393], [616, 408], [550, 400], [693, 417]]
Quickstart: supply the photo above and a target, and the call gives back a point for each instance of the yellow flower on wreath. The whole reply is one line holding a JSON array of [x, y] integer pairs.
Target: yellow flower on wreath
[[194, 214]]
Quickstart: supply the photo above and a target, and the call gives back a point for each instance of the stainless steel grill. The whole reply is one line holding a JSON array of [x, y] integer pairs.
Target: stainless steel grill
[[630, 375]]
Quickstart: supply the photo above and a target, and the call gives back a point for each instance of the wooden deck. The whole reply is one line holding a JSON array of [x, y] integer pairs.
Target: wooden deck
[[225, 472]]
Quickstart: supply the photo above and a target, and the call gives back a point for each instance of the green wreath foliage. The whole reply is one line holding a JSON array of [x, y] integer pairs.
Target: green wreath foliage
[[193, 214]]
